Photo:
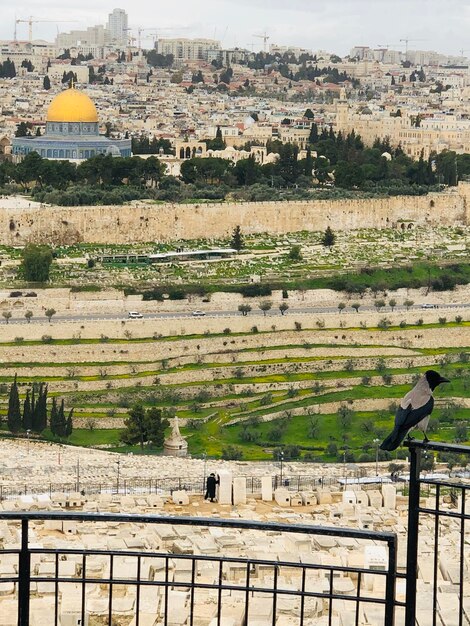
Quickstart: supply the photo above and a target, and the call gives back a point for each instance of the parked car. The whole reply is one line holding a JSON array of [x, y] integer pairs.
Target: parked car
[[427, 305], [134, 315], [198, 313]]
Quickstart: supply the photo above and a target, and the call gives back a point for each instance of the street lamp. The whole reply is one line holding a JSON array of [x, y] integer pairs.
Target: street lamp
[[281, 458], [376, 443], [204, 456], [28, 432]]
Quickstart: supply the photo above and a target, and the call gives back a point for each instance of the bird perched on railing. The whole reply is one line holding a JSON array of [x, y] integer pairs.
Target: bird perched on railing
[[414, 410]]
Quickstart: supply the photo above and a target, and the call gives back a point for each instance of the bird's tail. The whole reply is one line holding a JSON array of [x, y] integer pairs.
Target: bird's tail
[[393, 440]]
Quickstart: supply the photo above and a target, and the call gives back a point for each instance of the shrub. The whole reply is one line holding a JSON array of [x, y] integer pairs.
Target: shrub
[[46, 339], [232, 453], [442, 320], [420, 322], [458, 319], [384, 323], [227, 331], [297, 326], [254, 329], [402, 324], [255, 290], [19, 339]]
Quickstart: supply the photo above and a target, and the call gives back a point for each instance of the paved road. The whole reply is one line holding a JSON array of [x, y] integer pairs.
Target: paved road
[[228, 313]]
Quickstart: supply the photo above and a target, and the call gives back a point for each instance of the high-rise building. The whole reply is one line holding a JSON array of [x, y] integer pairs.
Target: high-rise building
[[189, 49], [118, 26]]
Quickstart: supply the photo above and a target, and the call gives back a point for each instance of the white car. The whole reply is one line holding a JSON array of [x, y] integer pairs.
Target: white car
[[134, 315], [429, 306], [198, 313]]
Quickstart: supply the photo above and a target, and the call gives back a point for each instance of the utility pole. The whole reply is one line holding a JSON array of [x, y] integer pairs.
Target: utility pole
[[376, 442], [118, 465]]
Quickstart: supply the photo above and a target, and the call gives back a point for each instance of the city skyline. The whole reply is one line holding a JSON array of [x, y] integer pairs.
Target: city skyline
[[336, 27]]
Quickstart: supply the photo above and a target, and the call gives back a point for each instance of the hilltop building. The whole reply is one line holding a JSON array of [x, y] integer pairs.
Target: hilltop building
[[72, 132]]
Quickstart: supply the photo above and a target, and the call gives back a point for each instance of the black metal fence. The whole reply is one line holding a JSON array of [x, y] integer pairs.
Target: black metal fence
[[134, 486], [180, 587], [439, 557]]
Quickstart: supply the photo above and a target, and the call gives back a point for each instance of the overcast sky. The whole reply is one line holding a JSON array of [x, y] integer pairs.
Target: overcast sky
[[334, 25]]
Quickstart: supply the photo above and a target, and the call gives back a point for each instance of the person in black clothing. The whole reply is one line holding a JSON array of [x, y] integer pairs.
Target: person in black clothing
[[211, 483]]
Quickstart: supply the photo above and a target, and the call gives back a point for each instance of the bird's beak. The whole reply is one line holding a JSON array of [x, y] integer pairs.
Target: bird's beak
[[444, 380]]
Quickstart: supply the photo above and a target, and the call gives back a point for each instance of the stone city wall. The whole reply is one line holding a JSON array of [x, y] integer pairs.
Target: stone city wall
[[141, 222]]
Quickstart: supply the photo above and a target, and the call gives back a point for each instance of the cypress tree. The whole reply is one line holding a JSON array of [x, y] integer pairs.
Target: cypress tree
[[40, 410], [61, 420], [54, 419], [14, 410], [27, 413], [69, 424]]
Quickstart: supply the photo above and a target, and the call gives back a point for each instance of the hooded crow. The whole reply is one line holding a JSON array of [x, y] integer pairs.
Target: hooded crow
[[414, 410]]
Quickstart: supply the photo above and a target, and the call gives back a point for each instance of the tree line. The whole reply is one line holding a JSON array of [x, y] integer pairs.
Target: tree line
[[34, 415]]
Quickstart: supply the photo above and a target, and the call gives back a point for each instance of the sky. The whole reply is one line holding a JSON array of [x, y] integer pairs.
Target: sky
[[332, 25]]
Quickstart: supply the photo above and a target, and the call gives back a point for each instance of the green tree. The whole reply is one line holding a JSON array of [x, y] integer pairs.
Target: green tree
[[27, 421], [36, 263], [392, 303], [28, 315], [237, 242], [328, 238], [408, 304], [283, 307], [244, 309], [46, 83], [54, 418], [265, 306], [39, 409], [356, 306], [14, 410], [7, 316], [156, 425], [136, 426], [295, 253], [341, 306], [49, 314]]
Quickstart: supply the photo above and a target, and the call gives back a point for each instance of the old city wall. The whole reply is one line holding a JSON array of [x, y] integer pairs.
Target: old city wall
[[142, 222]]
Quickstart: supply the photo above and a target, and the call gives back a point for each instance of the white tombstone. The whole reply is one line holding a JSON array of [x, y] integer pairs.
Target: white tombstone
[[324, 496], [239, 490], [361, 498], [389, 493], [375, 498], [282, 497], [224, 488], [308, 499], [349, 497], [296, 499], [180, 497], [266, 488]]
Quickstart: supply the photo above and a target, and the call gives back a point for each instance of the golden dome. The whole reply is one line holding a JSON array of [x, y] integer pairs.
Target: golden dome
[[72, 106]]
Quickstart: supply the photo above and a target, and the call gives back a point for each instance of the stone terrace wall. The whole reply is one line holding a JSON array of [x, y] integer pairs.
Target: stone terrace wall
[[140, 222]]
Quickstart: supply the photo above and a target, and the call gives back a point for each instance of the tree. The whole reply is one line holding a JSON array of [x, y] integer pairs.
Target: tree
[[69, 424], [36, 263], [28, 315], [244, 309], [341, 306], [265, 306], [39, 409], [355, 306], [379, 304], [6, 315], [136, 426], [14, 411], [283, 307], [46, 83], [49, 313], [328, 238], [27, 413], [156, 425], [54, 418], [237, 242], [392, 303], [408, 304], [295, 253]]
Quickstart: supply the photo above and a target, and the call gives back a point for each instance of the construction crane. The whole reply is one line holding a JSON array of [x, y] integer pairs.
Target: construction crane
[[407, 40], [32, 20], [139, 35], [265, 37], [462, 52]]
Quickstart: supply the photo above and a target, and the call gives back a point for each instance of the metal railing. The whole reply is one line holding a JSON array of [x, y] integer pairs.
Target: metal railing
[[445, 512], [296, 482], [180, 586]]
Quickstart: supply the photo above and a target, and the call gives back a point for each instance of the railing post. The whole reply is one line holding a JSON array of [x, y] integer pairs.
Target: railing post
[[24, 575], [413, 532], [390, 583]]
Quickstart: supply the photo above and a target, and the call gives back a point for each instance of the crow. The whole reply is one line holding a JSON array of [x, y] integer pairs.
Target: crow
[[414, 410]]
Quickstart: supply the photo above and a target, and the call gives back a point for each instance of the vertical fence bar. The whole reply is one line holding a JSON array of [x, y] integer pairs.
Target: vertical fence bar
[[390, 583], [462, 558], [413, 532], [24, 576], [436, 557]]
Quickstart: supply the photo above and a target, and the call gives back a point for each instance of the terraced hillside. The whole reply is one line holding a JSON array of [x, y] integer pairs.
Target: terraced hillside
[[323, 393]]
